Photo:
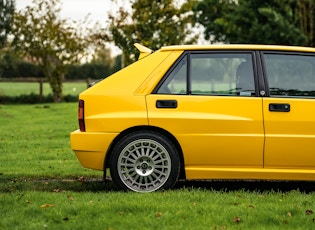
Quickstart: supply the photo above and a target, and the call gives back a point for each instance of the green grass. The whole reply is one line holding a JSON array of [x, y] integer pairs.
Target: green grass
[[43, 186], [34, 140], [183, 209], [20, 88]]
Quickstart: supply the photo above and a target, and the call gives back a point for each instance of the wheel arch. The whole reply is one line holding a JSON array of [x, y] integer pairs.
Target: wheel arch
[[107, 162]]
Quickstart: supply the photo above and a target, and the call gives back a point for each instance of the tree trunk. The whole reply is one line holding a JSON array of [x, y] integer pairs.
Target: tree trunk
[[56, 87], [54, 74]]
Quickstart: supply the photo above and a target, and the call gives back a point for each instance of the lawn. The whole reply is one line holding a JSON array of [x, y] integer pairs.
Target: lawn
[[43, 186], [24, 88]]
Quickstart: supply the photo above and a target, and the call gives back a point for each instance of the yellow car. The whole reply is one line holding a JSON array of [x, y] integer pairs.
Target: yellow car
[[202, 112]]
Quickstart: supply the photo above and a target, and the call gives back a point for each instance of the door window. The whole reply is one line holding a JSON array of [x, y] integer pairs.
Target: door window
[[227, 74], [290, 75]]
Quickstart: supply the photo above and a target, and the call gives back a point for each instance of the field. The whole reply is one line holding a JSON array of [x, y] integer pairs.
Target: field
[[43, 186], [19, 88]]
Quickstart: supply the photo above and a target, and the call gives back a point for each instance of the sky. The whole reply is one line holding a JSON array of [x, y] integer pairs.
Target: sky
[[79, 9]]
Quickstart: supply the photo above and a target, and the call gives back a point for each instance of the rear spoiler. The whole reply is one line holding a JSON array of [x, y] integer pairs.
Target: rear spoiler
[[144, 51]]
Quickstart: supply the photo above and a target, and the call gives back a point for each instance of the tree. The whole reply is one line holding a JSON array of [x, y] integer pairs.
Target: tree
[[49, 41], [153, 24], [7, 8], [306, 11], [260, 22]]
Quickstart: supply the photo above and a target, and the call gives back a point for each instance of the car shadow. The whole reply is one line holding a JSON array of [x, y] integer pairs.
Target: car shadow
[[81, 184]]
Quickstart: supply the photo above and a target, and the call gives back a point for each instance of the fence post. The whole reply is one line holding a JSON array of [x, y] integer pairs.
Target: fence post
[[41, 89]]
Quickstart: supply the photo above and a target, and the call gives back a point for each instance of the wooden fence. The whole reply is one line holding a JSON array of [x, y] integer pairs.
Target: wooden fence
[[42, 80]]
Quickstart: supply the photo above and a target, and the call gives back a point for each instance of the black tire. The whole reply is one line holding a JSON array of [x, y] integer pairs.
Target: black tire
[[144, 161]]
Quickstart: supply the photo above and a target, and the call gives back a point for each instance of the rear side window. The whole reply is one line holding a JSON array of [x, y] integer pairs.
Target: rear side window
[[228, 74], [176, 81], [290, 75]]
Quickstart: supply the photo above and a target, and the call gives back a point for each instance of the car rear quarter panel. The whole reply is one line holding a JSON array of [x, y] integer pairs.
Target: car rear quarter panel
[[118, 102]]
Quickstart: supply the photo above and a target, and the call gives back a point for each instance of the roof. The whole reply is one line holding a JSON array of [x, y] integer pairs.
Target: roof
[[238, 47]]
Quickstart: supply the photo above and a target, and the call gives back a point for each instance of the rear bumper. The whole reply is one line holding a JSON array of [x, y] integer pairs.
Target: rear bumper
[[91, 147]]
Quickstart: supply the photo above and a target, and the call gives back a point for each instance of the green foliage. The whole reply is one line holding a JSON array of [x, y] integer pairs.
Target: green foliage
[[6, 62], [47, 40], [88, 70], [153, 24], [34, 99], [7, 8], [24, 99], [21, 69], [253, 22], [93, 70]]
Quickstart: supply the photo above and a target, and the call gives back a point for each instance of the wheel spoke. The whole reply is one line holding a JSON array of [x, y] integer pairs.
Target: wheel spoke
[[155, 157], [142, 151], [136, 177], [132, 161], [127, 165], [133, 156], [159, 162], [133, 173], [159, 172], [147, 153], [145, 180], [152, 153], [140, 180]]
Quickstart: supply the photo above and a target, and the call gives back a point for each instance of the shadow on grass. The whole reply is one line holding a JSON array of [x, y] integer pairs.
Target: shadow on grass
[[81, 184]]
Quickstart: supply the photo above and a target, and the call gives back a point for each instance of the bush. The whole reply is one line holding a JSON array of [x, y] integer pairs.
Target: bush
[[33, 99]]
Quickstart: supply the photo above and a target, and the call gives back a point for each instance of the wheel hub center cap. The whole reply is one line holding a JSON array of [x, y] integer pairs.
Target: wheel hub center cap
[[144, 166]]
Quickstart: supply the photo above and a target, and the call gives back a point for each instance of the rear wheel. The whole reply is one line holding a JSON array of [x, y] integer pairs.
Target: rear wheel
[[144, 162]]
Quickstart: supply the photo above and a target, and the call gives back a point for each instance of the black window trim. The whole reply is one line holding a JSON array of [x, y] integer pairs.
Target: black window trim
[[262, 81], [188, 73]]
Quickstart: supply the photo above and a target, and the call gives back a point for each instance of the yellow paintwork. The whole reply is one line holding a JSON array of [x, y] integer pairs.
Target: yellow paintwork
[[89, 147], [290, 137], [238, 47], [253, 143], [239, 122], [194, 173]]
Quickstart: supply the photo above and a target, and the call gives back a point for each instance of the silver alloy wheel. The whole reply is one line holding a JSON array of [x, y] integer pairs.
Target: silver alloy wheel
[[144, 165]]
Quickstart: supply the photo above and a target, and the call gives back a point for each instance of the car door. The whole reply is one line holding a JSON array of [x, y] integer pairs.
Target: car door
[[289, 112], [213, 113]]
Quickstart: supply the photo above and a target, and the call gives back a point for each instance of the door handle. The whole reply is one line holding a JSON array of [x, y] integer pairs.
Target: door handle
[[275, 107], [168, 104]]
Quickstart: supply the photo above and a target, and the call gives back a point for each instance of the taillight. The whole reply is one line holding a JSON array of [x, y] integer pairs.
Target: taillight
[[81, 116]]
